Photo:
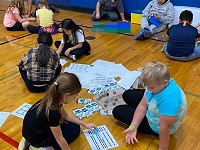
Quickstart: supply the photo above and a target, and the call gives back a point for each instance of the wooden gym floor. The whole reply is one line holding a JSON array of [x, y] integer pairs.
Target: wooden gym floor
[[107, 46]]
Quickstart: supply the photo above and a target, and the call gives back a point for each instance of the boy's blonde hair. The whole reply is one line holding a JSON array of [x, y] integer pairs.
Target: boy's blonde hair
[[154, 71]]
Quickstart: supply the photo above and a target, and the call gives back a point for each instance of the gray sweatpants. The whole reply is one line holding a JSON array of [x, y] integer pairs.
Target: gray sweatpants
[[145, 24]]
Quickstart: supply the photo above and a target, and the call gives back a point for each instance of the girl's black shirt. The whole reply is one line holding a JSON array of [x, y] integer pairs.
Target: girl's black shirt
[[36, 129]]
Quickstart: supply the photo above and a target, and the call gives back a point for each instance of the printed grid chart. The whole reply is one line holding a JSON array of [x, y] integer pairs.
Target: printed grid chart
[[101, 141], [22, 110]]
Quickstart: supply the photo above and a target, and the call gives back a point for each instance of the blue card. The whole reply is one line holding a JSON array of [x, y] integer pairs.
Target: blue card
[[154, 21]]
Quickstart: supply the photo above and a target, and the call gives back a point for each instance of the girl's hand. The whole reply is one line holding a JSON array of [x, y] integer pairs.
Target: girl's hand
[[130, 136], [67, 52], [90, 126]]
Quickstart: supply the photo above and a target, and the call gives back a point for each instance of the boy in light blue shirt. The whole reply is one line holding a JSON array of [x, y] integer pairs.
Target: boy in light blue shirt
[[158, 110], [171, 101]]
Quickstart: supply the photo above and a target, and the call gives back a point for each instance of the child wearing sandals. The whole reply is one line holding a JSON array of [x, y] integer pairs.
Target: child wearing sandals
[[13, 20]]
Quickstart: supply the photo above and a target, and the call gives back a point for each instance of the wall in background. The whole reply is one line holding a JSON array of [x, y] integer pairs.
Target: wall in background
[[130, 5]]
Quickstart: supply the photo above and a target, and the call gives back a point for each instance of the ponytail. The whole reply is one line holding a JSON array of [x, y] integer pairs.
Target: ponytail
[[43, 55], [45, 41], [65, 83]]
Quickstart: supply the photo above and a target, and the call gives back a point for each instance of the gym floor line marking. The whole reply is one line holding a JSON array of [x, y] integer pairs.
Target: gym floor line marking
[[9, 140], [16, 38], [192, 94], [21, 44], [10, 75]]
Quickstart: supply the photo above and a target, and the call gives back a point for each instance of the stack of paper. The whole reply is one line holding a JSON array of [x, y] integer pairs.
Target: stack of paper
[[102, 72]]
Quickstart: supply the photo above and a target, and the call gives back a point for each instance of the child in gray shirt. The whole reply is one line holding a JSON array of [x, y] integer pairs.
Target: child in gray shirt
[[162, 11], [109, 9]]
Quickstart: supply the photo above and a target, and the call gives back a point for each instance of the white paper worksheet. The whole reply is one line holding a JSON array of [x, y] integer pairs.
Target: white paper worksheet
[[63, 62], [102, 140], [21, 110], [129, 79], [3, 117]]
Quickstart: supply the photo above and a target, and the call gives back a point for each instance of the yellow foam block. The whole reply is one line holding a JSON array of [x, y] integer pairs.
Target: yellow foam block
[[135, 18]]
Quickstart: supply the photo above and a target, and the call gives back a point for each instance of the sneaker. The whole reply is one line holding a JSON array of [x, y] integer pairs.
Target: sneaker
[[73, 57], [147, 33], [140, 36]]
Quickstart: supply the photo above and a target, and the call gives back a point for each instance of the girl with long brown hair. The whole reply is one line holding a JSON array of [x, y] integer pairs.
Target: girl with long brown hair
[[47, 124]]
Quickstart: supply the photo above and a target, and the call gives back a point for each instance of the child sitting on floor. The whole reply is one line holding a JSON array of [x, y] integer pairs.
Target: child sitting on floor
[[73, 43], [158, 110], [13, 20], [41, 65], [162, 10], [181, 39], [45, 20]]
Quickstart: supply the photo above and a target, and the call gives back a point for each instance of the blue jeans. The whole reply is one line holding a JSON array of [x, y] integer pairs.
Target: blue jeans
[[193, 56]]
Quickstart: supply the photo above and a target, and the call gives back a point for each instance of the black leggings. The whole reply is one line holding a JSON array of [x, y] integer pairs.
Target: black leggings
[[124, 113], [35, 29], [37, 89], [70, 132], [77, 52], [16, 27]]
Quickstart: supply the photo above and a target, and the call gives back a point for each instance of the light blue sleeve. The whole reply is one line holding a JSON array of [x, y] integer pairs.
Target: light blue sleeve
[[169, 105]]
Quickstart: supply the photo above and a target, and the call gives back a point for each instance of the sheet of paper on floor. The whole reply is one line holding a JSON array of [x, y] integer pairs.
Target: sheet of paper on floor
[[99, 73], [21, 110], [3, 117], [63, 62], [102, 140], [128, 80]]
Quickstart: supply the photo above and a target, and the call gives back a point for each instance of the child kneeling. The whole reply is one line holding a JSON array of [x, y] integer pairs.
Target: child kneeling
[[47, 124]]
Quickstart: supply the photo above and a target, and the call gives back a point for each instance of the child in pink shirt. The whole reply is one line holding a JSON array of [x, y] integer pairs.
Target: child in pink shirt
[[12, 19]]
